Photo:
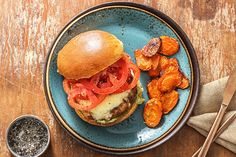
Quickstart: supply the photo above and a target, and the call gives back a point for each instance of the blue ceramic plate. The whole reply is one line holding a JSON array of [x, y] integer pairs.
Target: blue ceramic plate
[[135, 25]]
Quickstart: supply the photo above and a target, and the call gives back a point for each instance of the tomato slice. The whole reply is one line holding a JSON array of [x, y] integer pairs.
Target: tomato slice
[[67, 85], [111, 79], [131, 82], [79, 97], [86, 83], [85, 94], [136, 74], [120, 76]]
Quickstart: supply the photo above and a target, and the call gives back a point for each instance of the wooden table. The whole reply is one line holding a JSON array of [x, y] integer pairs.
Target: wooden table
[[28, 28]]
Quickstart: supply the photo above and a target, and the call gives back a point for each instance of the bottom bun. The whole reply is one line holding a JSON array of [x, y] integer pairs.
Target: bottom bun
[[111, 122]]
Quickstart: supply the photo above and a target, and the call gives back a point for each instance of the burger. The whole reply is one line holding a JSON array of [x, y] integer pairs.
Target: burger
[[101, 81]]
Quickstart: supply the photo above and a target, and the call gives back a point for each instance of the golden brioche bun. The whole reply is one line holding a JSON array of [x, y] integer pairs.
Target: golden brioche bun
[[89, 53], [119, 119]]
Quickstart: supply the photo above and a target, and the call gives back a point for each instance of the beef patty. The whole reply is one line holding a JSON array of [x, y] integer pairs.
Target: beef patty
[[125, 105], [121, 109]]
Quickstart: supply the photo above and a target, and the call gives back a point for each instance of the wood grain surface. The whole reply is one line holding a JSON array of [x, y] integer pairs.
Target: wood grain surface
[[28, 27]]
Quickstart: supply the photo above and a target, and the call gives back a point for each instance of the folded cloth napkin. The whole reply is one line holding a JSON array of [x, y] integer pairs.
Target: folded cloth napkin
[[207, 106]]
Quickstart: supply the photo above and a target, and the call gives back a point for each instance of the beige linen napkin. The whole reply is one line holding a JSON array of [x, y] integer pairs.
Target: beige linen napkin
[[205, 111]]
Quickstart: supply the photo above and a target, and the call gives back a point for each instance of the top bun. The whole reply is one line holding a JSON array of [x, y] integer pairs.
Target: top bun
[[89, 53]]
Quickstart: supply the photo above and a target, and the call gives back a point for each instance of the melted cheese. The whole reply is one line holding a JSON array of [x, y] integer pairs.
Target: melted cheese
[[102, 111]]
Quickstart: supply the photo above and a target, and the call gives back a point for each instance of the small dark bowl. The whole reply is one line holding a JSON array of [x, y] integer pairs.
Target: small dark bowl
[[18, 121]]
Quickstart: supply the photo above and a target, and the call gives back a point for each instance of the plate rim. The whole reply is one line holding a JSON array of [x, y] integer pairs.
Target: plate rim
[[193, 63]]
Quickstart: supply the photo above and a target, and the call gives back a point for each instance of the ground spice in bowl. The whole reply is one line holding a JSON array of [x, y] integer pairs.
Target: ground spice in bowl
[[27, 136]]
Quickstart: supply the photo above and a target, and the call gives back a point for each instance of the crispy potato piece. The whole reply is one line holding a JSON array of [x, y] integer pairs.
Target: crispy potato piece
[[171, 69], [170, 65], [168, 82], [152, 113], [153, 91], [152, 47], [184, 82], [169, 62], [169, 46], [169, 101], [163, 62], [172, 62], [155, 70], [144, 63], [155, 61]]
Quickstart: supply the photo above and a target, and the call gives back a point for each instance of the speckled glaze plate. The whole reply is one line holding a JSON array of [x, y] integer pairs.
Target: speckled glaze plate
[[134, 25]]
